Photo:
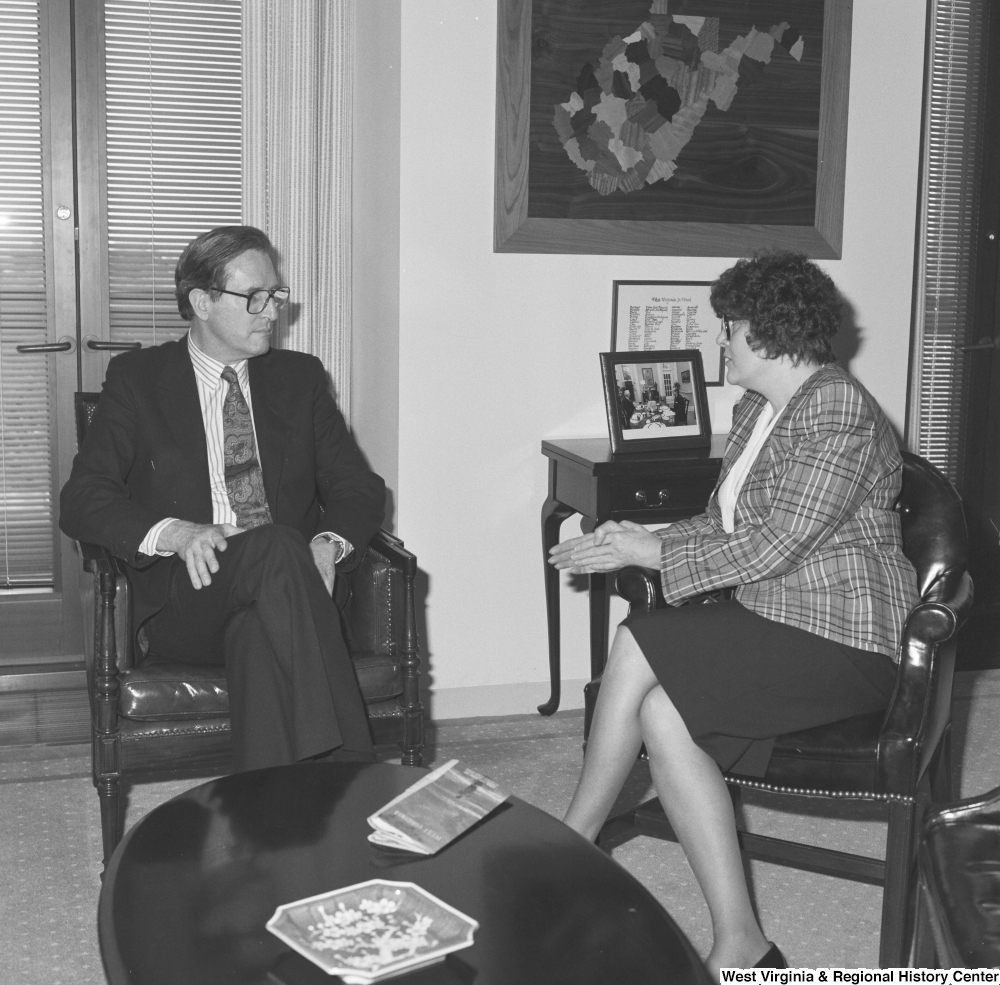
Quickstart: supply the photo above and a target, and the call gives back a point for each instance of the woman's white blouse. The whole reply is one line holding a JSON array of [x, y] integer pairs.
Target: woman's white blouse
[[729, 491]]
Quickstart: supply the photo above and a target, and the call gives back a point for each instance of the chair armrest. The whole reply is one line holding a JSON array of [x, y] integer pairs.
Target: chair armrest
[[379, 618], [97, 559], [928, 626], [927, 654], [376, 598], [115, 600], [391, 548], [641, 588]]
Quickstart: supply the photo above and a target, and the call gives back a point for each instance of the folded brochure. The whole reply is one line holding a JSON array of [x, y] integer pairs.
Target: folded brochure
[[436, 809]]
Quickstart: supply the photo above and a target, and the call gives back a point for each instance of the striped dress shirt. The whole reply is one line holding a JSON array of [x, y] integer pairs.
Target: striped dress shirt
[[212, 390], [816, 542]]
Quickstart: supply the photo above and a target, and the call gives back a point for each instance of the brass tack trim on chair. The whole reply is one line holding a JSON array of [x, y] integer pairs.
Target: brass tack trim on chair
[[813, 792], [177, 731]]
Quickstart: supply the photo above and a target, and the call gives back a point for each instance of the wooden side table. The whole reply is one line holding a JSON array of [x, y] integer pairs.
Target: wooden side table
[[585, 478]]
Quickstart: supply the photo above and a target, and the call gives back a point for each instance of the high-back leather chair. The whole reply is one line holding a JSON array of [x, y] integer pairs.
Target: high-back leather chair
[[958, 898], [901, 757], [154, 716]]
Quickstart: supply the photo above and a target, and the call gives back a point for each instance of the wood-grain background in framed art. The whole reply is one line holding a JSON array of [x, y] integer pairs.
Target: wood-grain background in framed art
[[622, 129]]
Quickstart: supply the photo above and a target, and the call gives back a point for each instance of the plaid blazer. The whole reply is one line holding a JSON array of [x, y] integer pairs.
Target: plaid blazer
[[816, 543]]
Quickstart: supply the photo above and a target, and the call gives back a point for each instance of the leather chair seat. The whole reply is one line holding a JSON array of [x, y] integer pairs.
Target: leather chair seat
[[379, 677], [166, 690], [844, 753], [160, 690]]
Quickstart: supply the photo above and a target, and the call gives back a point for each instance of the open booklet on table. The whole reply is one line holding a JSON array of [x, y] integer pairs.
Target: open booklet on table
[[436, 809]]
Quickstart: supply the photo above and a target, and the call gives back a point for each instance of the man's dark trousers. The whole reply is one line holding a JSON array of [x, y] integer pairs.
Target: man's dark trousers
[[293, 693]]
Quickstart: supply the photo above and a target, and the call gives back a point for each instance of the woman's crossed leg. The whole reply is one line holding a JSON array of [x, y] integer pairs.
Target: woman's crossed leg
[[631, 709]]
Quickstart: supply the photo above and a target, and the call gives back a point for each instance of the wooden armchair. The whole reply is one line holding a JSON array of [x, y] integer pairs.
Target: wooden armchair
[[901, 757], [153, 716]]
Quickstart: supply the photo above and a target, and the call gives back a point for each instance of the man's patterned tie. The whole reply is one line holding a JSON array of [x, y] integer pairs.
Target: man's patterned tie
[[244, 479]]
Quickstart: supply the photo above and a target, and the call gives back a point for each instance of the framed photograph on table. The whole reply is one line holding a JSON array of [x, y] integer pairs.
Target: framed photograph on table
[[668, 314], [655, 400]]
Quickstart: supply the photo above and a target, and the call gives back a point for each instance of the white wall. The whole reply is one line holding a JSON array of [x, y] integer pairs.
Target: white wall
[[375, 240], [497, 351]]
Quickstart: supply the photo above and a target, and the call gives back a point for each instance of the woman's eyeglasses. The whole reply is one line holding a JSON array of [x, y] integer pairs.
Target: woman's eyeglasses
[[730, 326]]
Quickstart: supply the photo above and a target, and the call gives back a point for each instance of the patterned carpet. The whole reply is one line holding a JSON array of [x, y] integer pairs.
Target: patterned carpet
[[51, 845]]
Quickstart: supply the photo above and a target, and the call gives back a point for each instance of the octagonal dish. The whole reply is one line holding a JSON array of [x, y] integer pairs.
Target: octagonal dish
[[372, 930]]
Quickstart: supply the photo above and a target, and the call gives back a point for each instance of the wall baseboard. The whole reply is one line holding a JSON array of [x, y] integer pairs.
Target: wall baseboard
[[488, 700]]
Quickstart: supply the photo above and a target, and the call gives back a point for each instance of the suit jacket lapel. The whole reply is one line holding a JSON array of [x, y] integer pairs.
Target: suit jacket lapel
[[752, 403], [772, 450], [181, 408], [269, 399]]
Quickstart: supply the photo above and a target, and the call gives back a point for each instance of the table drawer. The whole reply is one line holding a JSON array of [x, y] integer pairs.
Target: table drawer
[[688, 493]]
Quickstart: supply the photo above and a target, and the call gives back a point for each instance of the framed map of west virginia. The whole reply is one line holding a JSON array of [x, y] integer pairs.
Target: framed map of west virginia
[[671, 127]]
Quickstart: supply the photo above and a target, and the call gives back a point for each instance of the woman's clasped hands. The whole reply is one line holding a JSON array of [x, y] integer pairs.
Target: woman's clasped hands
[[610, 547]]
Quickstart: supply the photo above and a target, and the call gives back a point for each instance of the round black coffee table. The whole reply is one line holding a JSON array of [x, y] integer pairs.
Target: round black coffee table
[[191, 886]]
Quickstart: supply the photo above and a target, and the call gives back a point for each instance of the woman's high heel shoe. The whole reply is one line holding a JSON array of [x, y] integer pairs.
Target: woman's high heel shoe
[[773, 959]]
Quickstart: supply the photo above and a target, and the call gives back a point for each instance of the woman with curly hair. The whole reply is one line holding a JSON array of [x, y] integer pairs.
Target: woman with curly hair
[[801, 529]]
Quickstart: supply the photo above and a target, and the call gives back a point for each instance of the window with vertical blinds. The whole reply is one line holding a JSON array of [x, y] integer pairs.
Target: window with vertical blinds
[[949, 230], [174, 108], [26, 554]]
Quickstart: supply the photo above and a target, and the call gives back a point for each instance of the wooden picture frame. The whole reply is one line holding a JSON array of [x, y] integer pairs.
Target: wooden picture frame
[[642, 414], [667, 314], [516, 230]]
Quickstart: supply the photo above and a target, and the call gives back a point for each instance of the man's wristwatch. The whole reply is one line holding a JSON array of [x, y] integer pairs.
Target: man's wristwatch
[[332, 538]]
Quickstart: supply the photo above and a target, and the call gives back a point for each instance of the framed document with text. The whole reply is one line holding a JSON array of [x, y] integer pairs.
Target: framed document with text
[[647, 315]]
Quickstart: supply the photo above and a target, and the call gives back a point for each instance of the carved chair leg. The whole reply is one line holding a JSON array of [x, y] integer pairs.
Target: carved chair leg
[[108, 792], [923, 953], [899, 866], [413, 712], [106, 747], [413, 737]]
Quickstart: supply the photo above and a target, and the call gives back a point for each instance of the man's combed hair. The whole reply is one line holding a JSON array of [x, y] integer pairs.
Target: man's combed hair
[[204, 260], [793, 306]]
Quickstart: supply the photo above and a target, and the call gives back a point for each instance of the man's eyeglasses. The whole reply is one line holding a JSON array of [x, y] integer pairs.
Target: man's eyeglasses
[[258, 300]]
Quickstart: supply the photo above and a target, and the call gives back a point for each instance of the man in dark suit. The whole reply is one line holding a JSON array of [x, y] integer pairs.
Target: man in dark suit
[[222, 473], [627, 409], [680, 406]]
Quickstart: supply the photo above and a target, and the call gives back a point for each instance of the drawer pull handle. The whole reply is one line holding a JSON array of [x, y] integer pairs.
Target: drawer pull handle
[[642, 498]]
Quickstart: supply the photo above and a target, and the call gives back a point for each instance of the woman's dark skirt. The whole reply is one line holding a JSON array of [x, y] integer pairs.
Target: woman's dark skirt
[[740, 680]]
